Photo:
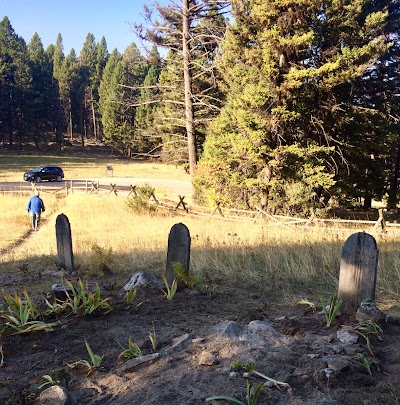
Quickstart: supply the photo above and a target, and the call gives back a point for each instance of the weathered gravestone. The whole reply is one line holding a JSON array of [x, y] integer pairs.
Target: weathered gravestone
[[178, 250], [358, 269], [64, 243]]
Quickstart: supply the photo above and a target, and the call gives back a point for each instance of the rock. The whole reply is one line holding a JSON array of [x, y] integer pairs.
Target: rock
[[368, 311], [259, 326], [347, 337], [338, 363], [179, 343], [54, 395], [134, 363], [143, 279], [230, 330], [59, 292], [207, 359]]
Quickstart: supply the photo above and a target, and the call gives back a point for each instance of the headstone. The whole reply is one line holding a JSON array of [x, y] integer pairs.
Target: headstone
[[358, 270], [64, 243], [178, 250]]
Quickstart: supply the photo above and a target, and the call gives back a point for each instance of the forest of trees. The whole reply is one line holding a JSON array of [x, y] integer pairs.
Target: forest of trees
[[284, 104]]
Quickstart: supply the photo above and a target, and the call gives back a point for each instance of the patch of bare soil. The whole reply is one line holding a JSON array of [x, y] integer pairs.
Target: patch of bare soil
[[198, 337]]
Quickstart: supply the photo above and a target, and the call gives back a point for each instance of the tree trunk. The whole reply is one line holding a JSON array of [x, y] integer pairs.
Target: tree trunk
[[367, 201], [93, 115], [188, 89], [392, 200]]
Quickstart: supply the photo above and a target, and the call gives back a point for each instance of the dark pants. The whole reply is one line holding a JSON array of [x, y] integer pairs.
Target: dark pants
[[35, 218]]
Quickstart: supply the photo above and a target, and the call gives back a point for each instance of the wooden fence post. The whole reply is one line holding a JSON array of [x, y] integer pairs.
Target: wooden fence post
[[178, 250], [64, 243], [358, 270]]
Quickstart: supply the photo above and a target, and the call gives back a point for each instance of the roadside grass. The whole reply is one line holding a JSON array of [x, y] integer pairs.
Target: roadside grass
[[12, 167], [286, 264]]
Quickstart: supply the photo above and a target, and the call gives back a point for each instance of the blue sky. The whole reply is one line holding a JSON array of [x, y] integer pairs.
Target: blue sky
[[74, 19]]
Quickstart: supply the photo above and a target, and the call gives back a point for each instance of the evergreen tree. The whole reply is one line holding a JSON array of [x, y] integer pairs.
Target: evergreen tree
[[110, 108], [40, 96], [291, 69], [59, 75], [88, 60], [14, 79]]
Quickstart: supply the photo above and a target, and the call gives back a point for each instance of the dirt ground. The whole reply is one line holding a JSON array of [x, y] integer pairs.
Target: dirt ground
[[200, 337]]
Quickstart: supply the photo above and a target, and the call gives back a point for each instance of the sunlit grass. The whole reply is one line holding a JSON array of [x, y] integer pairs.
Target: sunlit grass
[[13, 167], [15, 221], [282, 263]]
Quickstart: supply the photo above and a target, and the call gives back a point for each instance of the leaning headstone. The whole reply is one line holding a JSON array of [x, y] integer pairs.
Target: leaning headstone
[[64, 243], [178, 250], [358, 270]]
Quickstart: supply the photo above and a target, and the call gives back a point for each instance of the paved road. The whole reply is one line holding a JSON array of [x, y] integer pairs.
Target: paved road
[[170, 187]]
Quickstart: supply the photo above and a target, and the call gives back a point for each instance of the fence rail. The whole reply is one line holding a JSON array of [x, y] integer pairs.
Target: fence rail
[[217, 212]]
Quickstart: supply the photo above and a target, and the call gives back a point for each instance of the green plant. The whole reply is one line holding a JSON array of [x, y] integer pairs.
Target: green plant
[[235, 365], [22, 313], [366, 329], [305, 301], [48, 381], [83, 302], [140, 203], [133, 350], [182, 273], [95, 360], [252, 394], [361, 359], [277, 383], [333, 309], [56, 307], [101, 261], [170, 291], [130, 296], [210, 289], [153, 340]]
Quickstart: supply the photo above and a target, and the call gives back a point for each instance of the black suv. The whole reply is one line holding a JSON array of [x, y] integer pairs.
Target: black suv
[[51, 173]]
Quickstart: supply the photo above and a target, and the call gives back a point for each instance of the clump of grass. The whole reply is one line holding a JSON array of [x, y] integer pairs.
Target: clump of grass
[[169, 291], [182, 273], [331, 310], [101, 260], [21, 315], [90, 365], [131, 351], [140, 202]]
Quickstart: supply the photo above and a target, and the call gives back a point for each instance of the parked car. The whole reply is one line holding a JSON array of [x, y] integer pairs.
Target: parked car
[[50, 173]]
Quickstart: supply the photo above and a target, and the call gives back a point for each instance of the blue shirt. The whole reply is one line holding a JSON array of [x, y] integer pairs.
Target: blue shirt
[[35, 205]]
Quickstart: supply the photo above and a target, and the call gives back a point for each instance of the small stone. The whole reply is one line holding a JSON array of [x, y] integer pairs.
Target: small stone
[[179, 343], [207, 359], [198, 340], [338, 364], [368, 311], [347, 337], [328, 372], [328, 339], [54, 395]]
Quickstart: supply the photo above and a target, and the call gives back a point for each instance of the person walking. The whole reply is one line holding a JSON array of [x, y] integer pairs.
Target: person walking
[[35, 208]]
